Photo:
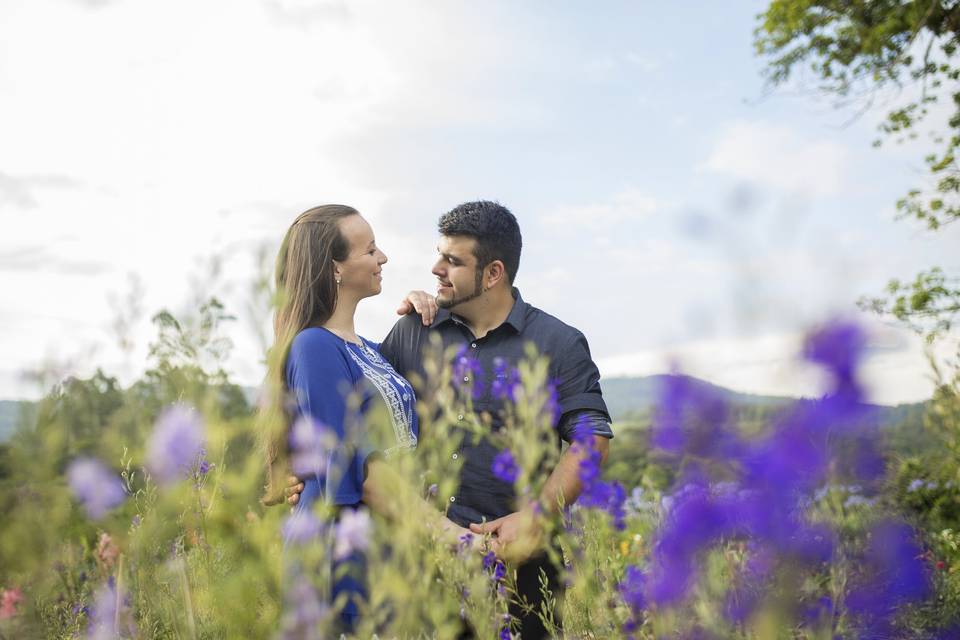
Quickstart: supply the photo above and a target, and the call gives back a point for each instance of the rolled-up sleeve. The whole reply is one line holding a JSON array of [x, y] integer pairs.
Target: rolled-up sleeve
[[578, 379], [595, 421]]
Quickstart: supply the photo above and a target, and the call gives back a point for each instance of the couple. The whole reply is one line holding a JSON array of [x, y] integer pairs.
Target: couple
[[327, 263]]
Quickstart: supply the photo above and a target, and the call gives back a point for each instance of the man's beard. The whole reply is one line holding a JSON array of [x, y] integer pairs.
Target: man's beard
[[476, 293]]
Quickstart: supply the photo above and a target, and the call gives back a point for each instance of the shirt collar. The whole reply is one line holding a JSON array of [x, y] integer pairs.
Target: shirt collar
[[517, 318]]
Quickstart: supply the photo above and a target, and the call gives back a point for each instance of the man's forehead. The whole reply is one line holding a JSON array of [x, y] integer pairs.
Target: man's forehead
[[456, 245]]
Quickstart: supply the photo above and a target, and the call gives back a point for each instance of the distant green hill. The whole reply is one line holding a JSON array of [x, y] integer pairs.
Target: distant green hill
[[627, 399], [627, 396]]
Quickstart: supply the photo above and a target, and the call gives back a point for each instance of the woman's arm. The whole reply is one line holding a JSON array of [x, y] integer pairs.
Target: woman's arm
[[389, 495]]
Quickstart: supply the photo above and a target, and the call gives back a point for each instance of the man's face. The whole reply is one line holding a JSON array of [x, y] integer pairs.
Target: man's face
[[458, 279]]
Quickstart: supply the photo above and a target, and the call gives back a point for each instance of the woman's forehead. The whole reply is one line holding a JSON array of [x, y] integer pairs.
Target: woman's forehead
[[356, 230]]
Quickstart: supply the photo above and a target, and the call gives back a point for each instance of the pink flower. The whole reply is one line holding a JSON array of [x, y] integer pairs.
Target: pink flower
[[107, 551], [9, 599]]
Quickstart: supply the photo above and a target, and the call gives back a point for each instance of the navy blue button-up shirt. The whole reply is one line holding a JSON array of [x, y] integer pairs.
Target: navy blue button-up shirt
[[481, 494]]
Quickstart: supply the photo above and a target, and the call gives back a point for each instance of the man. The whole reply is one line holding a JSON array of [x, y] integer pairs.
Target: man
[[481, 312]]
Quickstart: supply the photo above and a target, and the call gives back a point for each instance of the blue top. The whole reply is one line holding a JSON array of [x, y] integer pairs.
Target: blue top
[[337, 383]]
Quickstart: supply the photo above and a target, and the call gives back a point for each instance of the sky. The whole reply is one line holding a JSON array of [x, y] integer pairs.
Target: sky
[[673, 208]]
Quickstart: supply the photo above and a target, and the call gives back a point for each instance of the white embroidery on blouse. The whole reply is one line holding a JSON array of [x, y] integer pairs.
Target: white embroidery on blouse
[[400, 407]]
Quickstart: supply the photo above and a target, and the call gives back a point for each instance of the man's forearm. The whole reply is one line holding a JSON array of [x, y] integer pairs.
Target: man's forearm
[[563, 486]]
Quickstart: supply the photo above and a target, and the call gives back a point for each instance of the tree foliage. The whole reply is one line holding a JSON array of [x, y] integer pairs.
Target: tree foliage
[[854, 50]]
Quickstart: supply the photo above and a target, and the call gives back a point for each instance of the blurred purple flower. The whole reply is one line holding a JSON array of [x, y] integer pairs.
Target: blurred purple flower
[[175, 444], [95, 486], [464, 542], [838, 346], [633, 590], [310, 447], [815, 612], [352, 533], [304, 611], [467, 372], [489, 558], [499, 571], [692, 418], [301, 527], [505, 467], [106, 621], [749, 584], [203, 465], [506, 379], [894, 574]]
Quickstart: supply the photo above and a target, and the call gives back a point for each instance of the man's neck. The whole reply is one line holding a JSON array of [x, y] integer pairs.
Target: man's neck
[[484, 314]]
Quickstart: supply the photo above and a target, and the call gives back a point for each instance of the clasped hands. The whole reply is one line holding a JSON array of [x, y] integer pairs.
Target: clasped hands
[[514, 537]]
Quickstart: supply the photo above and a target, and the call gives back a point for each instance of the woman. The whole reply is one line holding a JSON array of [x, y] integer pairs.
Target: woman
[[323, 371]]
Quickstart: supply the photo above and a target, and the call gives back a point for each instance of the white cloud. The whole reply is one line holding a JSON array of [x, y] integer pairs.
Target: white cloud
[[779, 157], [629, 204]]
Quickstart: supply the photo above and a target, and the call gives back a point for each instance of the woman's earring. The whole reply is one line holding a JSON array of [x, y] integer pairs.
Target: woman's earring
[[338, 281]]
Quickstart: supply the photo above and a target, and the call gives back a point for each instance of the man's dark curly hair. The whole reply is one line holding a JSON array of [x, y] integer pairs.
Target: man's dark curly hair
[[493, 227]]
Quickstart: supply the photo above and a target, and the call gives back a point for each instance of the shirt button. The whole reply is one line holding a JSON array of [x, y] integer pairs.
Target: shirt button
[[453, 498], [474, 345], [466, 378], [455, 456], [460, 417]]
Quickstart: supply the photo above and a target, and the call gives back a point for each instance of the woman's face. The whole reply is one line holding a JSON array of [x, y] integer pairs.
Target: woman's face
[[360, 273]]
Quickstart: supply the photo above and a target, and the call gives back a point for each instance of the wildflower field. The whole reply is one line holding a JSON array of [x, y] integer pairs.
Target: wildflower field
[[134, 512]]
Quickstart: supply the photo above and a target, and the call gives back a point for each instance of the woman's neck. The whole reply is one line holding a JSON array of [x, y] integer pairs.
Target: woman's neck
[[341, 320]]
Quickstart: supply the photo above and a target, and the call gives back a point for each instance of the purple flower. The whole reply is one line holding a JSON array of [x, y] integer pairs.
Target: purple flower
[[352, 533], [692, 418], [304, 611], [203, 465], [464, 542], [301, 527], [633, 590], [467, 371], [175, 444], [106, 621], [894, 574], [489, 558], [506, 379], [310, 446], [505, 467], [95, 486], [838, 346], [499, 571], [505, 633], [595, 493]]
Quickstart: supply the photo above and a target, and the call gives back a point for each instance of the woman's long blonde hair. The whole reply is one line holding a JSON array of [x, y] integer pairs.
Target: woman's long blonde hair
[[306, 295]]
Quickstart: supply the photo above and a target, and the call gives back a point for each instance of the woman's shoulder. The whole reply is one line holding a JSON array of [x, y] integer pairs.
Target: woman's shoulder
[[316, 342]]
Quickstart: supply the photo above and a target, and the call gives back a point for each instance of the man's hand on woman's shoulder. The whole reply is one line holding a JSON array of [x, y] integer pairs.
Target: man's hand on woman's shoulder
[[290, 493], [421, 302]]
